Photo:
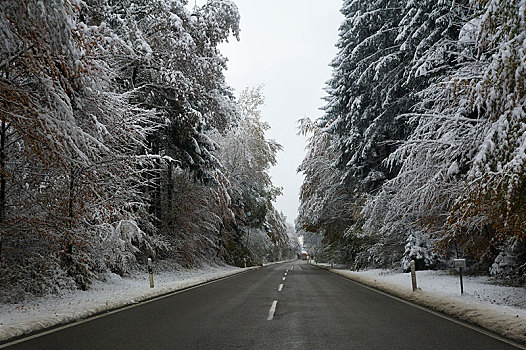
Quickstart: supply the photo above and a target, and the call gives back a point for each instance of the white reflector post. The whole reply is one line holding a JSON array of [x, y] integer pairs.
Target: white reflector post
[[150, 271]]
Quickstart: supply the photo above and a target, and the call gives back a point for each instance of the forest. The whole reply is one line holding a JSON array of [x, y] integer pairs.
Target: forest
[[120, 140], [420, 151]]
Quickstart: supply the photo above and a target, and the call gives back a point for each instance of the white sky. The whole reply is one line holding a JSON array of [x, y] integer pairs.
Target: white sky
[[286, 45]]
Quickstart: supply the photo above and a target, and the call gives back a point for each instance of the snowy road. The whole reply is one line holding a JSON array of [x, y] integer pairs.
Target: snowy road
[[282, 306]]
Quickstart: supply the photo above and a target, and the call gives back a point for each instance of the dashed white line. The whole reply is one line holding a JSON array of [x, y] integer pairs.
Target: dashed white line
[[285, 273], [280, 287], [284, 278], [272, 310]]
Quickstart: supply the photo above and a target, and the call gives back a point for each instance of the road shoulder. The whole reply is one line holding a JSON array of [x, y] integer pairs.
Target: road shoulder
[[502, 322], [56, 311]]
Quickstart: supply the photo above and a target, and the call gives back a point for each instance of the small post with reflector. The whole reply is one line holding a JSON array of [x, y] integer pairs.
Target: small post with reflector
[[413, 275], [460, 263], [150, 271]]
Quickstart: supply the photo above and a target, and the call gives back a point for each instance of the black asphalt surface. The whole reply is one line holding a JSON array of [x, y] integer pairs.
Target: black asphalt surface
[[315, 310]]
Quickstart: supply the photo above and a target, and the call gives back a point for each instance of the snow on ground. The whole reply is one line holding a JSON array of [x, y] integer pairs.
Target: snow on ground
[[500, 309], [479, 288], [114, 292]]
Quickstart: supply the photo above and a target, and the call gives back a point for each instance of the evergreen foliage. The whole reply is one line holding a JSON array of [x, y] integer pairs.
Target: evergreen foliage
[[420, 128]]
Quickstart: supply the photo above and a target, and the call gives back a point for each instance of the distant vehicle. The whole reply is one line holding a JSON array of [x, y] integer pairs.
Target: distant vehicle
[[304, 255]]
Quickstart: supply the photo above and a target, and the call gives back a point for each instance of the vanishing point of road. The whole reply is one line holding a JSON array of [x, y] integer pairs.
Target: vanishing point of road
[[283, 306]]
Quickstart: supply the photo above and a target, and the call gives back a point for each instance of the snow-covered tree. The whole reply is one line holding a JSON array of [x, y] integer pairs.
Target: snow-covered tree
[[461, 178], [390, 51], [107, 114], [176, 70], [70, 178], [246, 156], [170, 66], [325, 202], [363, 94], [489, 212]]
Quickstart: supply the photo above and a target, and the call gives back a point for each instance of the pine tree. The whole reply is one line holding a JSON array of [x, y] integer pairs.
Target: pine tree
[[457, 179], [361, 110], [390, 51]]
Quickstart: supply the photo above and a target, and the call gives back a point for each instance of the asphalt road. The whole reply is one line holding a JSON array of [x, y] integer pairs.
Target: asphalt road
[[314, 310]]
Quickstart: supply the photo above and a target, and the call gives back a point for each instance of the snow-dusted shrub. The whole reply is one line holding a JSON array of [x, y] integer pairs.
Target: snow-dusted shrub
[[511, 261], [115, 247], [417, 249], [22, 278]]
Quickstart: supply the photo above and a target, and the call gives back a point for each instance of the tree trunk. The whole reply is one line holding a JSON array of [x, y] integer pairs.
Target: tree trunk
[[71, 195], [3, 179], [68, 244], [157, 174], [169, 191]]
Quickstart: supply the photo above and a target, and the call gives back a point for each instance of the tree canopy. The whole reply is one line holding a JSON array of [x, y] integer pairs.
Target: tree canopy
[[427, 147], [116, 143]]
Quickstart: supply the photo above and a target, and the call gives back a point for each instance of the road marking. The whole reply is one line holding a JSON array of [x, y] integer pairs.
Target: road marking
[[436, 313], [114, 311], [272, 310], [299, 267], [284, 278], [280, 287], [285, 274]]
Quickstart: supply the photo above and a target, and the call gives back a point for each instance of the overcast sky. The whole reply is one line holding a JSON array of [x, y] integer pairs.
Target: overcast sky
[[286, 45]]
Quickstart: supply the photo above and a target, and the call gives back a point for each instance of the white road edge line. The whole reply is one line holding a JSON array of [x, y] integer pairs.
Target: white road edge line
[[280, 287], [272, 310], [449, 318], [111, 312]]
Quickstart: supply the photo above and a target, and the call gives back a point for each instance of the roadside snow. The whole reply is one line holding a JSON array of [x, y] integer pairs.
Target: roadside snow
[[37, 314], [498, 308], [476, 288]]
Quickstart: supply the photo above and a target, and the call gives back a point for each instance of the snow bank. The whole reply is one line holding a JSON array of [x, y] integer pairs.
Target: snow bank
[[115, 292], [497, 308]]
